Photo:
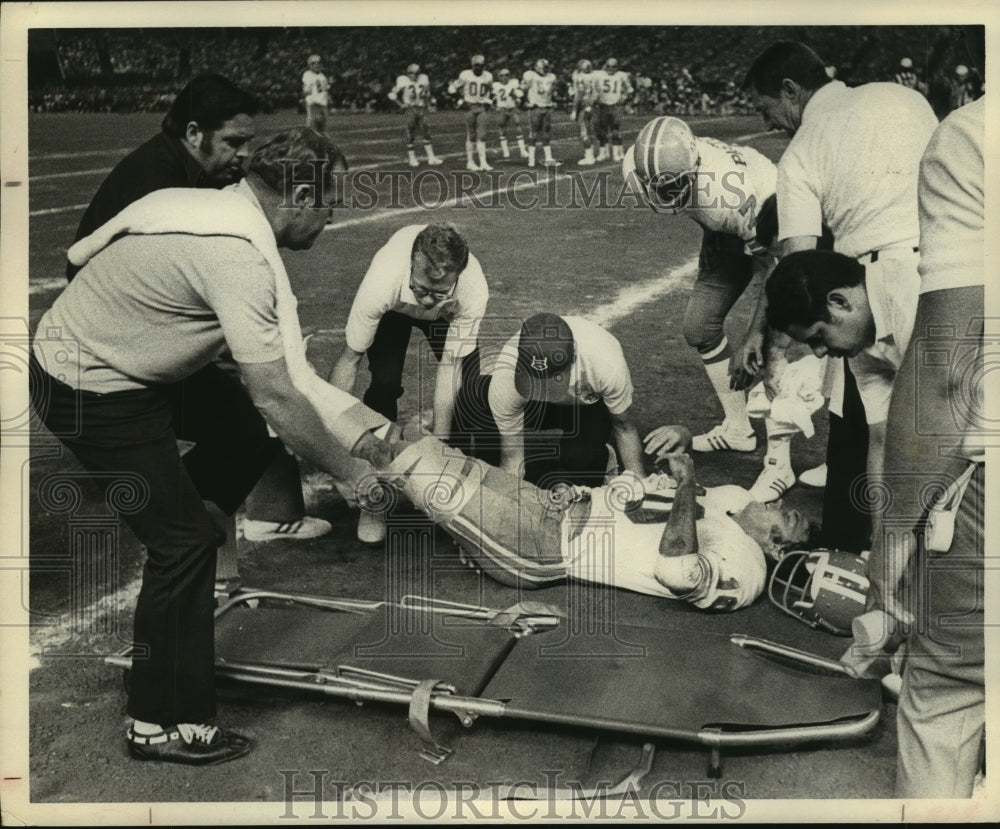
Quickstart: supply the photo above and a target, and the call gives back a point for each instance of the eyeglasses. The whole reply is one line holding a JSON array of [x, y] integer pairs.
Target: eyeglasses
[[420, 291]]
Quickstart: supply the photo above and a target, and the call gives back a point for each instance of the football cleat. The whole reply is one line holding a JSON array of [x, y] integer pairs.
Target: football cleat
[[773, 482], [664, 160], [434, 161], [471, 165], [720, 439], [814, 478]]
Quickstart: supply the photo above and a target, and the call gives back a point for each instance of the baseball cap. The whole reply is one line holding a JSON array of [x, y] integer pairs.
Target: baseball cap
[[545, 353]]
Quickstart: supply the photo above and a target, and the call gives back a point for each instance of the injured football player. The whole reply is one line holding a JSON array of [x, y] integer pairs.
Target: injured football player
[[653, 535]]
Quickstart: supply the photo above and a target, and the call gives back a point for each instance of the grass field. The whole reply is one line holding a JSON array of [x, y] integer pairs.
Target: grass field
[[621, 265]]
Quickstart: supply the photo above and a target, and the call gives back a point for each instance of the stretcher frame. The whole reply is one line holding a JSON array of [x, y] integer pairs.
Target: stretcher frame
[[525, 621]]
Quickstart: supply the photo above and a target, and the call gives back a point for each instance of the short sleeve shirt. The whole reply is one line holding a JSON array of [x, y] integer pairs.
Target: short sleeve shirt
[[599, 372], [152, 309], [893, 292], [952, 202], [385, 287], [853, 164]]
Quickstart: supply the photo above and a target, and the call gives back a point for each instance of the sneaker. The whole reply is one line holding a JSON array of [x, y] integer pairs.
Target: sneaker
[[551, 162], [191, 744], [719, 439], [435, 162], [484, 166], [371, 527], [306, 527], [814, 478], [587, 161], [414, 162], [773, 482], [471, 165]]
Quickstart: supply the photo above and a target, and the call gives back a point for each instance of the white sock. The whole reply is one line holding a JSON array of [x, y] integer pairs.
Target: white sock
[[531, 156], [504, 147], [734, 403], [481, 146], [146, 728], [778, 449], [469, 148]]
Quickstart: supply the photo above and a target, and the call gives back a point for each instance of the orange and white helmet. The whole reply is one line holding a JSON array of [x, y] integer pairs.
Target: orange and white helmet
[[665, 159]]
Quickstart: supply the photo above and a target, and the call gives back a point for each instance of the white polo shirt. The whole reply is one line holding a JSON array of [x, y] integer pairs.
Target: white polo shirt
[[952, 227], [599, 372], [893, 294], [386, 287], [853, 163]]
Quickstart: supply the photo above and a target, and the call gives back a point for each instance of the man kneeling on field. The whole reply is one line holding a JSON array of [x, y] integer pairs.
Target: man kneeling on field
[[650, 535]]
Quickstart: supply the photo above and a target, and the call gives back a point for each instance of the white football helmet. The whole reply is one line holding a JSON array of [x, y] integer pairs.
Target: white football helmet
[[825, 589], [666, 162], [503, 75], [413, 70]]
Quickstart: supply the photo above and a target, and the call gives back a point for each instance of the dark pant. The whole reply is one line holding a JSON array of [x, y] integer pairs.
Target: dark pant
[[562, 443], [135, 433], [387, 356], [847, 524]]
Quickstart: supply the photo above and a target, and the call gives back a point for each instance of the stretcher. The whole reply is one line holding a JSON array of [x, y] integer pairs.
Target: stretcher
[[528, 662]]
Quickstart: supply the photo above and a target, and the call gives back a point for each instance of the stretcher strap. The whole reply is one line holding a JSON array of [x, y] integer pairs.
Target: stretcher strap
[[419, 715]]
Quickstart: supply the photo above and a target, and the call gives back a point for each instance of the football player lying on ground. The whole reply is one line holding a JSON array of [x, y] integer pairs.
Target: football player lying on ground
[[650, 535]]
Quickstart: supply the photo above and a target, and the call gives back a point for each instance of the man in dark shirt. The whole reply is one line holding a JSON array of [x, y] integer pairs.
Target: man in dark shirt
[[205, 142]]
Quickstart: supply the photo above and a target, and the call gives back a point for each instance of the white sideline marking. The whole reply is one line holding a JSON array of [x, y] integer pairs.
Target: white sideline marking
[[633, 297], [53, 635], [52, 283]]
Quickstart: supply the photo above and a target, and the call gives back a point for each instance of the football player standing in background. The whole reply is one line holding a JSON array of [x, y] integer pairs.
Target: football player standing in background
[[506, 93], [316, 92], [539, 84], [584, 96], [476, 85], [412, 93], [613, 89]]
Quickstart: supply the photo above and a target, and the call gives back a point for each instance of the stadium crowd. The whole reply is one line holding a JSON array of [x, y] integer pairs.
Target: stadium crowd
[[677, 70]]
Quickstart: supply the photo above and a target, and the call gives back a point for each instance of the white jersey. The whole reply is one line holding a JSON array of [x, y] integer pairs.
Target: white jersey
[[411, 93], [732, 184], [506, 95], [612, 547], [316, 88], [584, 89], [475, 88], [612, 87], [538, 88]]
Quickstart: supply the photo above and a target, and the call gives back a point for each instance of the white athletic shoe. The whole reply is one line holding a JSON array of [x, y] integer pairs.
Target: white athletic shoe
[[720, 439], [435, 161], [414, 163], [814, 478], [484, 166], [603, 154], [471, 165], [551, 162], [306, 527], [586, 161], [773, 482], [371, 527]]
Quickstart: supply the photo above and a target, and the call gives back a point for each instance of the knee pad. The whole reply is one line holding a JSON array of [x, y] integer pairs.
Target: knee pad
[[437, 479]]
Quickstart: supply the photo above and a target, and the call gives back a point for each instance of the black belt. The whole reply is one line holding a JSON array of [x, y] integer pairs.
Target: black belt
[[872, 256]]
